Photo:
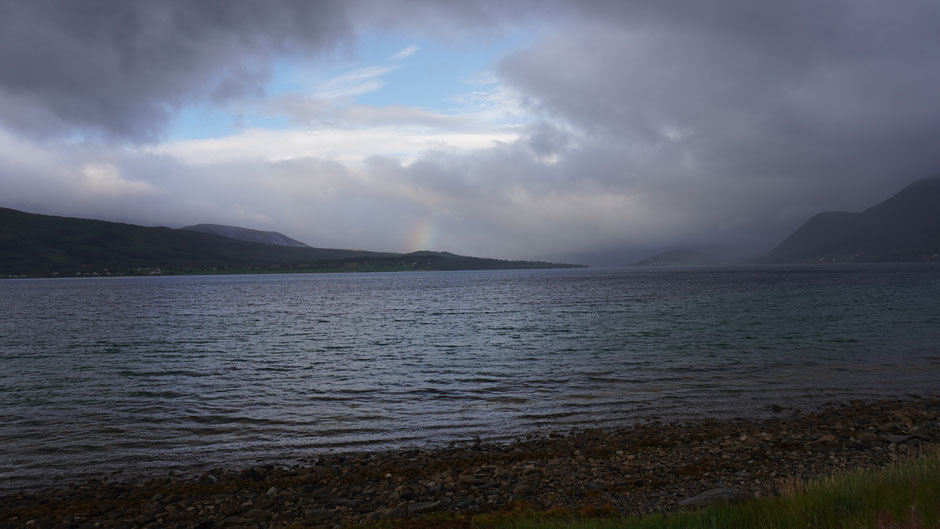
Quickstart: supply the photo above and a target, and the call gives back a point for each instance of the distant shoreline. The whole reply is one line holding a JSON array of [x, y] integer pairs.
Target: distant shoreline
[[638, 268], [635, 469], [338, 270], [49, 246]]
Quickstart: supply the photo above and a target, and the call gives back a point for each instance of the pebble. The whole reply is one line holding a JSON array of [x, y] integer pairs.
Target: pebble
[[650, 467]]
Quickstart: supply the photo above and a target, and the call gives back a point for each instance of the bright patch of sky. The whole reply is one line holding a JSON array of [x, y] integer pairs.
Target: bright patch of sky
[[434, 74], [199, 122], [385, 77]]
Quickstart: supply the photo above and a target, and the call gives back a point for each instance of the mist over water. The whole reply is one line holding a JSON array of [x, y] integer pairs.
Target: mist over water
[[145, 375]]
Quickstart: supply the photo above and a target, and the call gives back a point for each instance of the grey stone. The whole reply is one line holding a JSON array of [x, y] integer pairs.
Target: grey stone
[[721, 495], [423, 507], [256, 514], [523, 490], [179, 516], [326, 472], [317, 515], [472, 480], [232, 520], [346, 502], [145, 518], [896, 439], [251, 474], [462, 503]]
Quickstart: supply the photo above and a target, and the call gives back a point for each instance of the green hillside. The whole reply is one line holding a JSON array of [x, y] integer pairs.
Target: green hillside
[[41, 245], [245, 234]]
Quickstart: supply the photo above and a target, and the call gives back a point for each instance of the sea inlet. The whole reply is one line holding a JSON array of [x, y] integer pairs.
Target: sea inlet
[[145, 375]]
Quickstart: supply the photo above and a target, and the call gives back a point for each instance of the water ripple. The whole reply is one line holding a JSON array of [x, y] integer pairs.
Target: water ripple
[[146, 375]]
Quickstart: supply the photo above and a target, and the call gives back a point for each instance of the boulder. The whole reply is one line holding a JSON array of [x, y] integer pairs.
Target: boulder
[[523, 490], [721, 495]]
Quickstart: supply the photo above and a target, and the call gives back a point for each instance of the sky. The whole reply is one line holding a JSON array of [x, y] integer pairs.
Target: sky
[[596, 132]]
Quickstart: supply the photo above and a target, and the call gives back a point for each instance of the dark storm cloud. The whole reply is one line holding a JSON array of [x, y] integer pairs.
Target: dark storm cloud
[[792, 68], [122, 68], [749, 116]]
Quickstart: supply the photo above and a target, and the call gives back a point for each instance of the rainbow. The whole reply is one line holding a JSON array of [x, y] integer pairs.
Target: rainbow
[[421, 235]]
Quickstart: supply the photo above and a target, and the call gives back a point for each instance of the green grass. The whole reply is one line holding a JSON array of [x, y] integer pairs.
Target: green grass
[[905, 496]]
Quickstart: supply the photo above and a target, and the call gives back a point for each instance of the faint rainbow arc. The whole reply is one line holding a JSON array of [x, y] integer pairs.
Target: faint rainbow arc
[[422, 235]]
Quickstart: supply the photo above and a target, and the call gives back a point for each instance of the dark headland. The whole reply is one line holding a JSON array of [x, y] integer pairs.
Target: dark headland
[[34, 245], [644, 468], [904, 228]]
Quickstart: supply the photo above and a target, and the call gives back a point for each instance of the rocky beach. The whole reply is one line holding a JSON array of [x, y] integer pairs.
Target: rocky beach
[[642, 468]]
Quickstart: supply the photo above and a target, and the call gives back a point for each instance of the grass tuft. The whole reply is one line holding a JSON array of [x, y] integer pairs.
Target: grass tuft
[[904, 496]]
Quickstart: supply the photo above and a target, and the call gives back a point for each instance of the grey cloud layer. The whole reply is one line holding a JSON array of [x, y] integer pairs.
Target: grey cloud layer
[[121, 69], [750, 118], [659, 123]]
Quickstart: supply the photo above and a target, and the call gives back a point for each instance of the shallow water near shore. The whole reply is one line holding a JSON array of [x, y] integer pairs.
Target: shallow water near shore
[[144, 375]]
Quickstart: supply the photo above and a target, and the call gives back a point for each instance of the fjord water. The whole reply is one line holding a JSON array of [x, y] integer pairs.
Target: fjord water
[[145, 375]]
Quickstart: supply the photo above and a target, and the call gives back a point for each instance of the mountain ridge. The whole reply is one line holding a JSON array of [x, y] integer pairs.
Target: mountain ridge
[[904, 227], [33, 245], [247, 234]]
